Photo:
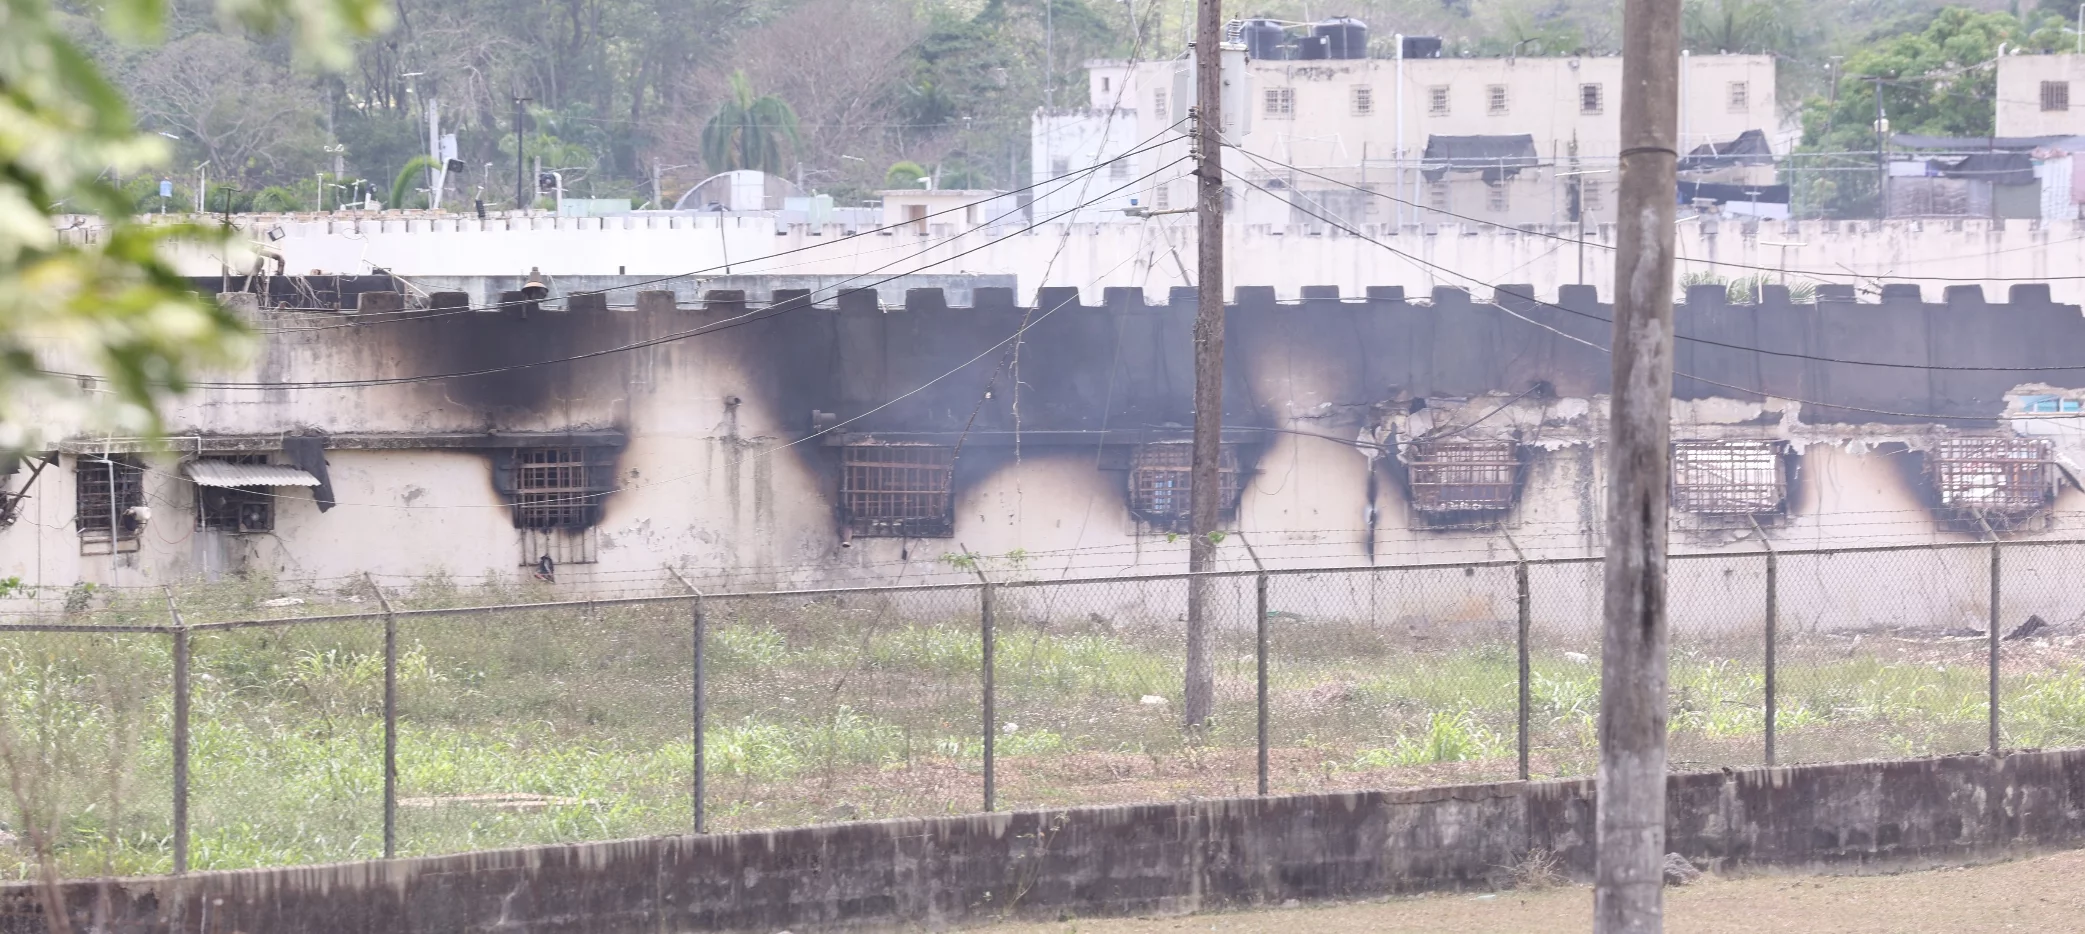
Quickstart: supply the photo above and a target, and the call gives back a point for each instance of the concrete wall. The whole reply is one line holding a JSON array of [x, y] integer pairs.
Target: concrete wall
[[1145, 859], [722, 473], [1269, 249], [2020, 110]]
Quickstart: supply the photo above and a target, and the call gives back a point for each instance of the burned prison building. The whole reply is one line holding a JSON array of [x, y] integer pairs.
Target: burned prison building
[[815, 435]]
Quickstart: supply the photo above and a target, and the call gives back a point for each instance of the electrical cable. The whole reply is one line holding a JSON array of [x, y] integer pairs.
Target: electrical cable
[[1580, 340], [1147, 144], [1265, 161], [770, 310], [1683, 337]]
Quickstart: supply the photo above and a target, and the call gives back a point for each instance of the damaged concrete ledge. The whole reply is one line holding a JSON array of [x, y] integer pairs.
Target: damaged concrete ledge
[[1137, 859]]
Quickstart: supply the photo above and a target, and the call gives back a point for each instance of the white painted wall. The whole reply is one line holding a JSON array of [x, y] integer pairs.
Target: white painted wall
[[1263, 248]]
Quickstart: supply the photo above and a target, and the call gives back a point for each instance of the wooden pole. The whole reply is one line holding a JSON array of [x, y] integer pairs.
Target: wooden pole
[[1205, 480], [1628, 893]]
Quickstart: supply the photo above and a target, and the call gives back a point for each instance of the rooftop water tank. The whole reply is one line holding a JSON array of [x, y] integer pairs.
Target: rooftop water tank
[[1264, 40], [1422, 47], [1343, 37]]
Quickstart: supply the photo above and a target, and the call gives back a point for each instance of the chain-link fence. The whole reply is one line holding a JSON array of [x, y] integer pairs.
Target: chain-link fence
[[163, 735]]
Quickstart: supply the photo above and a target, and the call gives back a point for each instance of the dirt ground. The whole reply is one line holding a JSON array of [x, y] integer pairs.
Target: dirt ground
[[2039, 894]]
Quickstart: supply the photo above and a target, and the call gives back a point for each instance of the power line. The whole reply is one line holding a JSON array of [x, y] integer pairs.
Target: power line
[[1576, 339], [1146, 145], [1697, 340], [772, 309], [1265, 161]]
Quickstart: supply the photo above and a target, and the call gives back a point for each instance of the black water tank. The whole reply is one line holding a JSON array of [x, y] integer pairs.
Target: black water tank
[[1264, 39], [1422, 47], [1311, 47], [1343, 37]]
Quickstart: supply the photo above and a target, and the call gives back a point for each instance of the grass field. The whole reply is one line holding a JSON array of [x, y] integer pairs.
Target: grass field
[[575, 723]]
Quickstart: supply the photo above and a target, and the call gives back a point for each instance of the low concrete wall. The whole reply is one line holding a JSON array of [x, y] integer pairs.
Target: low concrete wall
[[1188, 856]]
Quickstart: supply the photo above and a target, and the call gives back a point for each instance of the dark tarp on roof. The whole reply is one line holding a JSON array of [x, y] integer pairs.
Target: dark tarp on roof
[[1750, 148], [2002, 168], [1498, 157], [1727, 194]]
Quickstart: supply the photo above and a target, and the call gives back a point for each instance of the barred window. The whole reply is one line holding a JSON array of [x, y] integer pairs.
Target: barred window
[[1161, 482], [1463, 476], [1118, 170], [551, 490], [1592, 99], [1364, 100], [1437, 100], [2056, 95], [1590, 198], [1739, 95], [1994, 476], [1498, 198], [106, 491], [1729, 478], [897, 490], [1161, 196], [1158, 103], [1281, 102], [1437, 196], [235, 509], [1495, 95]]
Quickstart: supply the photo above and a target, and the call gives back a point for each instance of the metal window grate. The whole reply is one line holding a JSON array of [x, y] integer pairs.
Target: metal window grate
[[1498, 198], [551, 490], [1739, 96], [1728, 478], [1437, 100], [897, 490], [2056, 95], [1281, 102], [1364, 100], [1496, 96], [1463, 476], [1161, 482], [105, 491], [1994, 476], [236, 509], [1592, 98]]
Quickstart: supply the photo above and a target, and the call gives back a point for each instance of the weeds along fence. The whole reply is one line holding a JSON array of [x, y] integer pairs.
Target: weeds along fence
[[169, 735]]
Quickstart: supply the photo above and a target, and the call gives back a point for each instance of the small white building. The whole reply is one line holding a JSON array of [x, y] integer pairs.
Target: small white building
[[945, 211]]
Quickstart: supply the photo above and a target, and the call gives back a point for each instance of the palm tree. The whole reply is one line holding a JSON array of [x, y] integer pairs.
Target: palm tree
[[748, 133]]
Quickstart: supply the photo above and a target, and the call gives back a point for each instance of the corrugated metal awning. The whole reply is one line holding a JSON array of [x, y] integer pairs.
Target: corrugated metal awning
[[225, 473]]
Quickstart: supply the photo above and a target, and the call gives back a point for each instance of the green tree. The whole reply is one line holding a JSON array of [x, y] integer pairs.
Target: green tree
[[114, 305], [402, 187], [1745, 26], [1940, 80], [749, 132], [904, 175]]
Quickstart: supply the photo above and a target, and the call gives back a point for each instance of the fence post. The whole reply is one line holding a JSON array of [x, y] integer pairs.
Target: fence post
[[390, 720], [1525, 594], [1773, 639], [988, 664], [181, 701], [1993, 631], [1259, 657], [698, 637]]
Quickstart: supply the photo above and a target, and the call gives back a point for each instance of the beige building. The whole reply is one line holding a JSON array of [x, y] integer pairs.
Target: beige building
[[2041, 95], [1370, 121]]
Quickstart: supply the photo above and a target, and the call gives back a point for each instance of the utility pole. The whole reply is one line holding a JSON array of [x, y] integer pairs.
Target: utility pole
[[1882, 166], [1628, 893], [521, 179], [1205, 473]]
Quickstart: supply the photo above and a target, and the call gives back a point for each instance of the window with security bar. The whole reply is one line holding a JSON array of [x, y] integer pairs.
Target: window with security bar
[[1463, 476], [898, 490], [108, 495], [236, 509], [551, 490], [1161, 483], [1729, 478], [1994, 476]]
